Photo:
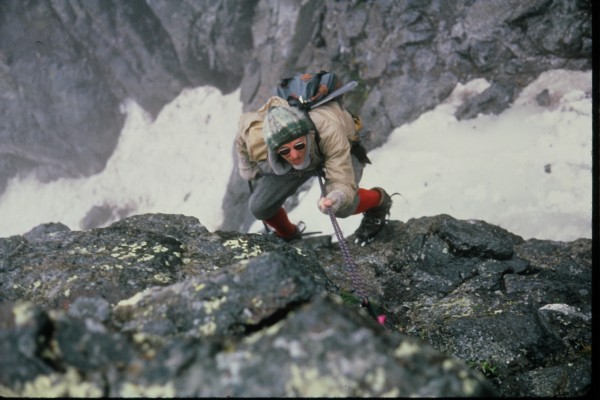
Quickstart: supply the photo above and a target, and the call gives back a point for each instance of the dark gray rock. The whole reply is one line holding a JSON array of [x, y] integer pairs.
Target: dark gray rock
[[471, 310], [307, 355], [493, 100], [43, 231], [59, 115], [24, 331], [66, 67], [543, 98], [223, 303]]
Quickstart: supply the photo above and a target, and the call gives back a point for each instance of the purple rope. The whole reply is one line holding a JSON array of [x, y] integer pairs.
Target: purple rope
[[348, 260]]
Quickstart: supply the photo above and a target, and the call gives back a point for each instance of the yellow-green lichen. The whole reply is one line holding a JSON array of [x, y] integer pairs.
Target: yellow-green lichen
[[134, 299], [234, 243], [7, 392], [78, 250], [146, 342], [457, 308], [274, 329], [209, 328], [125, 256], [108, 267], [256, 250], [406, 349], [214, 304], [376, 379], [23, 312], [199, 287], [135, 246], [146, 257], [448, 364], [162, 278], [69, 384], [394, 392], [256, 302], [469, 386], [52, 351], [243, 245], [135, 390], [270, 331], [309, 382], [160, 249], [139, 337], [125, 252]]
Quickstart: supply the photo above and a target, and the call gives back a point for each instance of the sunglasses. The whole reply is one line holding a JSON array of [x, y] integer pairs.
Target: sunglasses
[[286, 150]]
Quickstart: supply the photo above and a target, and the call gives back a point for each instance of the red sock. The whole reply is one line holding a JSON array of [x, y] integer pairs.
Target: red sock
[[367, 199], [282, 225]]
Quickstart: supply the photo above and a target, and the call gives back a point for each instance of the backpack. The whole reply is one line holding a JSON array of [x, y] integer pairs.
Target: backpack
[[306, 91]]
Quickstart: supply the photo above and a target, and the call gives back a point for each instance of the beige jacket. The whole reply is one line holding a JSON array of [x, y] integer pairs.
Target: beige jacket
[[336, 128]]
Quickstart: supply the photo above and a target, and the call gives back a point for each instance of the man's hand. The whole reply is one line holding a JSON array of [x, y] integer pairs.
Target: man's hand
[[332, 201]]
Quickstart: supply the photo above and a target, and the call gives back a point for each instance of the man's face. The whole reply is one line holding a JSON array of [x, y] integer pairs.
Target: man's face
[[294, 152]]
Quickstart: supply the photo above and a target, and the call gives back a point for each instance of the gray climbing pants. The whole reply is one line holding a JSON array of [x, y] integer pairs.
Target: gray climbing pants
[[269, 192]]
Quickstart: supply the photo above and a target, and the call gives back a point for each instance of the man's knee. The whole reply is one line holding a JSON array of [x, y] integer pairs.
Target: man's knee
[[261, 211]]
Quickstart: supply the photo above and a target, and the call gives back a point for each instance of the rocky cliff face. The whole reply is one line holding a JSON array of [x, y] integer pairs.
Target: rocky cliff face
[[156, 305], [65, 66]]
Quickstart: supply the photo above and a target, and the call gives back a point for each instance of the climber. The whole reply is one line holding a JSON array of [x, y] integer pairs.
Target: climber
[[280, 147]]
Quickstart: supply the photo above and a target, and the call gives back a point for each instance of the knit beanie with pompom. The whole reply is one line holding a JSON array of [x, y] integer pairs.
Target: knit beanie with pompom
[[284, 124]]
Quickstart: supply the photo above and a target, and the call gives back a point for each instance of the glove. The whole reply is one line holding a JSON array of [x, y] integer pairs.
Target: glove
[[333, 200]]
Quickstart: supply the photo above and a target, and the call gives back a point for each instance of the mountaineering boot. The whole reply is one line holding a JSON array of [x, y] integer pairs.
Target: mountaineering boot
[[300, 227], [374, 219], [282, 225]]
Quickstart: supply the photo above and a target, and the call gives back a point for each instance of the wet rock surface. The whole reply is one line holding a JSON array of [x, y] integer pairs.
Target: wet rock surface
[[156, 305]]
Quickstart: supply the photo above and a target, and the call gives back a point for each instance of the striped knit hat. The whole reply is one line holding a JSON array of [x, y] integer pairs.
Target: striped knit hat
[[284, 124]]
